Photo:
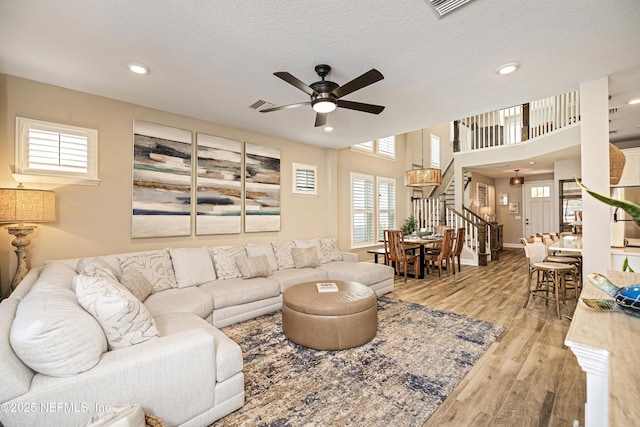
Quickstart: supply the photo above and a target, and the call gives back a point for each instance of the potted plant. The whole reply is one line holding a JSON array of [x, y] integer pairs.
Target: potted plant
[[409, 225]]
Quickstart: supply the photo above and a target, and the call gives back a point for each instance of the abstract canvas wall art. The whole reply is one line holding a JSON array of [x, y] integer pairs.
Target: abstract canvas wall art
[[219, 185], [161, 197], [262, 188]]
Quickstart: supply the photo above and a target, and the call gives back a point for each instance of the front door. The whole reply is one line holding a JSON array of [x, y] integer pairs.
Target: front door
[[538, 208]]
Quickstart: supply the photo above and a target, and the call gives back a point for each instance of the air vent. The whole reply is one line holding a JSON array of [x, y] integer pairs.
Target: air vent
[[613, 110], [261, 104], [443, 7]]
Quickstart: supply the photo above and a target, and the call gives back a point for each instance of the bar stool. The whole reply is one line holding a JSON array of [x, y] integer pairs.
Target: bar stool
[[549, 239], [550, 276]]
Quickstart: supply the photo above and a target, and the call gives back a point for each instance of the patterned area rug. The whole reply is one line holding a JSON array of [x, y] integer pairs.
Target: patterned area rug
[[398, 379]]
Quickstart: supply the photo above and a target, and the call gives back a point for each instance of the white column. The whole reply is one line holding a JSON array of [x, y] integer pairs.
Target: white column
[[594, 138], [595, 363]]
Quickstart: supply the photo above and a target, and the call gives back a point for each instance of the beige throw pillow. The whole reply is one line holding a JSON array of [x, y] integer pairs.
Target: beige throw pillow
[[282, 252], [305, 257], [137, 284], [255, 266], [154, 265], [124, 319]]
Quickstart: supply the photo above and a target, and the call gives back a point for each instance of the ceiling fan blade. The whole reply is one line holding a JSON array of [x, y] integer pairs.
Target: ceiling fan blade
[[359, 106], [366, 79], [321, 119], [287, 77], [285, 107]]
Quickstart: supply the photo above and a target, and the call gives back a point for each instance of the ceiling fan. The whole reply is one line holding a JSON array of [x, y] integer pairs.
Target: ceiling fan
[[325, 95]]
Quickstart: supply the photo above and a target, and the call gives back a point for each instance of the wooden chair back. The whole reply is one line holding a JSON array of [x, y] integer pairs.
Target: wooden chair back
[[457, 250], [395, 250]]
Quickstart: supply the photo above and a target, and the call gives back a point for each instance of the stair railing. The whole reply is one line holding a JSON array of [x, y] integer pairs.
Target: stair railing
[[475, 241]]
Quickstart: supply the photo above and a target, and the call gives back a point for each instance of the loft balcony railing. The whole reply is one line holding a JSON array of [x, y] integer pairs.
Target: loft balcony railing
[[517, 124]]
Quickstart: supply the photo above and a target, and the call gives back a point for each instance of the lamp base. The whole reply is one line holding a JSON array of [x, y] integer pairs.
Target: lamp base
[[20, 242]]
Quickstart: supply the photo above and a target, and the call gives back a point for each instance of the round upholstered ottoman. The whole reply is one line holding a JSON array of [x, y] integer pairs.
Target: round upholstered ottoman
[[330, 320]]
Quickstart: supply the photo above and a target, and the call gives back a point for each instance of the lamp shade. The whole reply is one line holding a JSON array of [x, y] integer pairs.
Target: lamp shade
[[516, 180], [422, 177], [22, 205]]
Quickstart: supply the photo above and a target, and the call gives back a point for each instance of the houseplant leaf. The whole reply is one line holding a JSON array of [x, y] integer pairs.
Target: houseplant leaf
[[629, 207]]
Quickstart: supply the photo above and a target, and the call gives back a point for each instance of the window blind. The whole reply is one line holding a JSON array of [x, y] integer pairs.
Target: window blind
[[57, 151], [362, 209], [435, 151], [386, 206], [387, 146]]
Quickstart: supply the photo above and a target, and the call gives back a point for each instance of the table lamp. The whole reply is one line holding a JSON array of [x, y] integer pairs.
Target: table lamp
[[20, 205]]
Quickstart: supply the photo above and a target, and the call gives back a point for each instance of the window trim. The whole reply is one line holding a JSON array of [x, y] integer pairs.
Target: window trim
[[375, 148], [22, 172], [375, 209], [295, 167]]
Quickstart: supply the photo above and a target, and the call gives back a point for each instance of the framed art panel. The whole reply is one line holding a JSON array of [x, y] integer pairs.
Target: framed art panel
[[514, 208], [218, 185], [262, 188], [161, 194]]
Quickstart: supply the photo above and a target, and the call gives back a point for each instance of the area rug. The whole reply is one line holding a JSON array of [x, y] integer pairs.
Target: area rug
[[398, 379]]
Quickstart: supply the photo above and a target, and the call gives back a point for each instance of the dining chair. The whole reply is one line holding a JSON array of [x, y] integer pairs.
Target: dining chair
[[443, 256], [396, 252], [457, 249], [550, 277]]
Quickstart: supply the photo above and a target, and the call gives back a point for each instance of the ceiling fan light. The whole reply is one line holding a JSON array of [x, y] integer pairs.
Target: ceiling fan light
[[323, 105]]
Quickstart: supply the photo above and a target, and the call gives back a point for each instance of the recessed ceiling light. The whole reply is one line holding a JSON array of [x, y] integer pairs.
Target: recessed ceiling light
[[139, 68], [329, 128], [634, 101], [532, 163], [507, 68]]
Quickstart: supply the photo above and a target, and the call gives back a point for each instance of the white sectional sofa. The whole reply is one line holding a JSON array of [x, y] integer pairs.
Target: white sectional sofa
[[75, 339]]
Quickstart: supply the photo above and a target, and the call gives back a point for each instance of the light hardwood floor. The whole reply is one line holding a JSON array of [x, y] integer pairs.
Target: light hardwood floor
[[528, 377]]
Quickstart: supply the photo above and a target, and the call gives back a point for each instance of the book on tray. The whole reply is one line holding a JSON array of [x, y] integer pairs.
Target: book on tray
[[327, 287]]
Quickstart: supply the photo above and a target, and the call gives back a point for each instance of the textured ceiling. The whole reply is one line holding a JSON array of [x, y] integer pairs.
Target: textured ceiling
[[211, 59]]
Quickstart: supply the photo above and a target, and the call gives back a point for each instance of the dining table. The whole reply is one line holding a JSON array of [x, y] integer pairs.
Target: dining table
[[430, 240], [569, 243]]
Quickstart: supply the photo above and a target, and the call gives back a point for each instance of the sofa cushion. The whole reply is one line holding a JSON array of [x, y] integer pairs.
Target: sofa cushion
[[228, 354], [253, 266], [154, 265], [282, 252], [187, 300], [305, 257], [124, 319], [330, 250], [118, 416], [53, 334], [310, 243], [136, 283], [293, 276], [366, 273], [56, 274], [257, 249], [225, 262], [192, 266], [16, 376], [226, 293]]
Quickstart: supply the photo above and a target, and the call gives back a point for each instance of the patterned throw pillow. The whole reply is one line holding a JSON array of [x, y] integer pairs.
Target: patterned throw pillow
[[305, 257], [124, 319], [282, 251], [137, 284], [96, 267], [155, 266], [330, 250], [257, 249], [254, 266], [224, 259]]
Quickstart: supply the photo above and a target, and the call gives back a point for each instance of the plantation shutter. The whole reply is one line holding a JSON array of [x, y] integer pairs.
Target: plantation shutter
[[435, 152], [387, 146], [367, 146], [305, 179], [386, 206], [362, 209], [57, 151]]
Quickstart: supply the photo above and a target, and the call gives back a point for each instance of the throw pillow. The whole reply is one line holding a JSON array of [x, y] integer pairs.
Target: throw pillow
[[52, 334], [255, 266], [305, 257], [330, 250], [96, 267], [310, 243], [282, 252], [257, 249], [137, 284], [124, 319], [224, 260], [154, 265], [192, 266]]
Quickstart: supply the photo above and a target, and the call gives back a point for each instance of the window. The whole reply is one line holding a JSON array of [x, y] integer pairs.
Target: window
[[383, 147], [45, 150], [541, 191], [435, 151], [386, 206], [305, 179], [366, 206]]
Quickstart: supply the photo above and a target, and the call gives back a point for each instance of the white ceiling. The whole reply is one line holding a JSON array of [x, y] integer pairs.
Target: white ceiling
[[211, 59]]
